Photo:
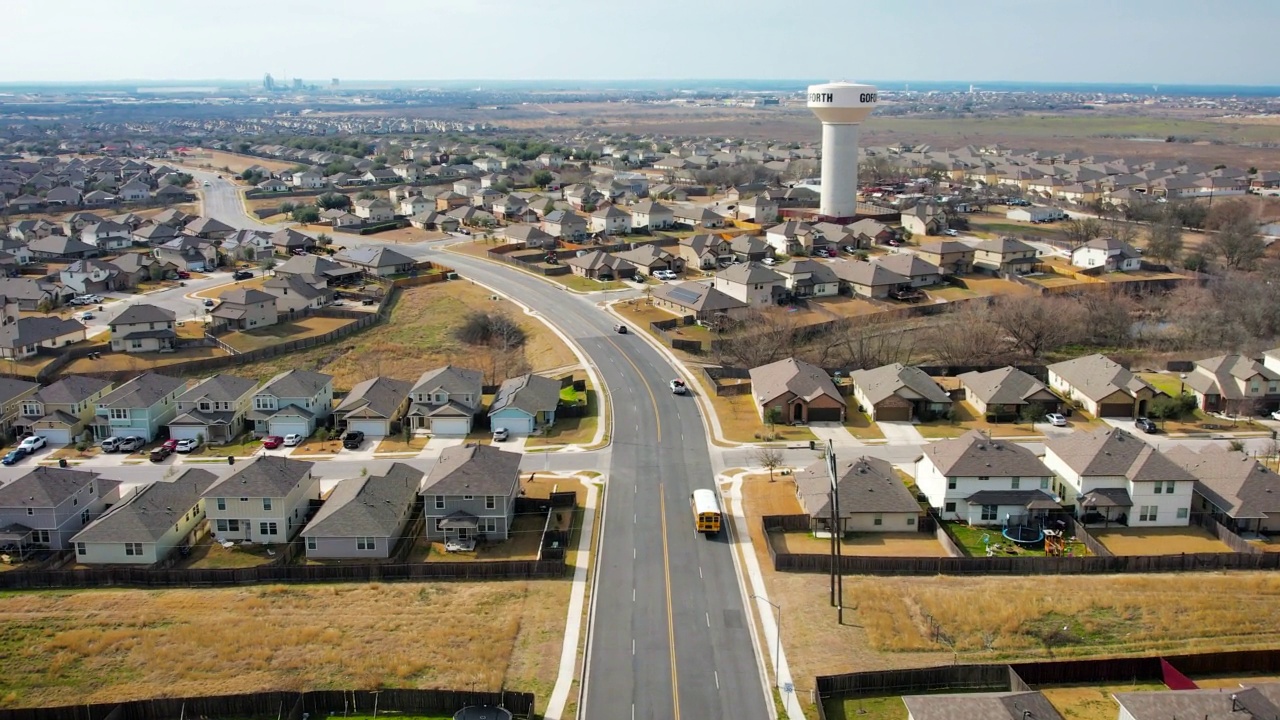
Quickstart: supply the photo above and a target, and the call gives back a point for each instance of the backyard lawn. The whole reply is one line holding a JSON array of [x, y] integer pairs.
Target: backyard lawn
[[898, 544], [217, 291], [1159, 541], [301, 329], [139, 362], [571, 431]]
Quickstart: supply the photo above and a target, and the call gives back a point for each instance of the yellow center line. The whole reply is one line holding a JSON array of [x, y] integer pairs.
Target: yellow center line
[[652, 398], [671, 629]]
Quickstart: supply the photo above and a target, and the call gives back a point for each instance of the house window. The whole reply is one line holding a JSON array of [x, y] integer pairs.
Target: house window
[[1182, 513], [205, 405], [133, 549], [490, 502], [911, 520], [988, 512], [468, 497], [1168, 487], [878, 520], [1147, 513], [949, 507], [234, 525], [266, 504], [488, 525], [222, 526], [119, 413], [438, 529], [1017, 481], [222, 503], [951, 483], [268, 528], [31, 511], [1044, 483], [84, 517], [439, 502], [983, 478], [80, 549], [1159, 487], [365, 543], [244, 500], [311, 543]]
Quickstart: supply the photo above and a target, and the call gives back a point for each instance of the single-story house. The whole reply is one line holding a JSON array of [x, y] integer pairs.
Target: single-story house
[[872, 498], [797, 392], [898, 393], [374, 407], [525, 403]]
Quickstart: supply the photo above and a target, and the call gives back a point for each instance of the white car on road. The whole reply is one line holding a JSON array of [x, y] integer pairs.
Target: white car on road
[[678, 387]]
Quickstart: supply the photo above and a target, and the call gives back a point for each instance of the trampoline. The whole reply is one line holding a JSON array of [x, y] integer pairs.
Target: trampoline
[[1024, 534]]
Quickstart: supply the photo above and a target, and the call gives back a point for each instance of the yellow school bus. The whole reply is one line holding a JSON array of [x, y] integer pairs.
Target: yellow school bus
[[706, 511]]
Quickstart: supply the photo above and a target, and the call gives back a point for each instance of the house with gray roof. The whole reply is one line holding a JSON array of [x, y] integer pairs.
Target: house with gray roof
[[13, 393], [919, 271], [899, 393], [154, 235], [867, 279], [27, 293], [602, 266], [295, 401], [148, 524], [374, 407], [214, 410], [379, 261], [320, 267], [59, 247], [1101, 386], [797, 392], [266, 501], [988, 706], [471, 493], [1235, 384], [708, 305], [529, 235], [287, 240], [245, 308], [1232, 487], [138, 407], [752, 283], [805, 278], [1255, 701], [650, 257], [1108, 253], [47, 506], [984, 481], [872, 497], [209, 228], [525, 403], [446, 400], [23, 338], [1004, 392], [1112, 476], [1004, 256], [565, 224], [365, 517], [62, 411], [188, 252], [296, 293], [143, 328]]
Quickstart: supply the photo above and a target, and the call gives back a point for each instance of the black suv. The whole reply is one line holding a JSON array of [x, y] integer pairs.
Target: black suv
[[242, 274], [1146, 426], [352, 440]]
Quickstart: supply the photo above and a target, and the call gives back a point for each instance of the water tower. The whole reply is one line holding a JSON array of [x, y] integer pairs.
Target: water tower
[[841, 106]]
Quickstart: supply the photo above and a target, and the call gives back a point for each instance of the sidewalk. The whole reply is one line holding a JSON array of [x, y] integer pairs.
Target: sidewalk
[[577, 600]]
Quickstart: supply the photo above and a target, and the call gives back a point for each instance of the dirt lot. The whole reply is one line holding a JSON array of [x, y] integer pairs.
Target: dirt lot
[[217, 160], [312, 326], [419, 337], [139, 362], [110, 645], [867, 544], [1159, 541]]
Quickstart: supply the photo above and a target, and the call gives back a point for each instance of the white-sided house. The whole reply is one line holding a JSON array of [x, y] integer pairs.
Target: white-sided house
[[295, 401], [609, 220], [148, 524], [1108, 253], [365, 517], [107, 235], [49, 505], [1233, 487], [984, 481], [266, 501], [651, 215], [1114, 477]]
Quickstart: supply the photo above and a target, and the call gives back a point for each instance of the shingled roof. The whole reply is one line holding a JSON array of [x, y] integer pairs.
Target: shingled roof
[[976, 455], [1114, 452], [806, 381]]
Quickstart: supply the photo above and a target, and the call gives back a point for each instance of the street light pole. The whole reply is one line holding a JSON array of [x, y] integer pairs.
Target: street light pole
[[777, 641]]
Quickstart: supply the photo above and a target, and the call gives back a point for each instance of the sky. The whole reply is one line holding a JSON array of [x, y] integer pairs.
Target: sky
[[1079, 41]]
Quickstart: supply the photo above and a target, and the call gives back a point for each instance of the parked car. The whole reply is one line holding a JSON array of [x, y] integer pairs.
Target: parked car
[[208, 302], [1146, 425], [620, 328], [13, 456], [271, 442], [950, 233], [184, 275], [186, 445], [242, 275], [85, 316], [111, 444], [500, 434], [353, 440], [33, 443], [769, 261], [160, 454], [664, 274], [678, 387], [849, 249], [171, 444], [132, 444], [459, 545], [1056, 420], [293, 439]]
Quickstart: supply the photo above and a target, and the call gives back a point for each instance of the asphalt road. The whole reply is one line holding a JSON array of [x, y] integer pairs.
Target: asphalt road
[[669, 632]]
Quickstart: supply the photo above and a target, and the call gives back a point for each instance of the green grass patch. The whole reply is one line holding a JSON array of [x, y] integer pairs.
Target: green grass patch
[[582, 284], [867, 708], [972, 538]]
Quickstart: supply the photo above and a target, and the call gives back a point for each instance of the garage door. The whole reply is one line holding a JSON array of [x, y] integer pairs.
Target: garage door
[[61, 436], [893, 414], [450, 427], [288, 428], [372, 428], [186, 432], [518, 425], [1116, 409], [824, 414]]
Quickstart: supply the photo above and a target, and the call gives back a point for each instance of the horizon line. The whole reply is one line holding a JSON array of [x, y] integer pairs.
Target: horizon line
[[480, 80]]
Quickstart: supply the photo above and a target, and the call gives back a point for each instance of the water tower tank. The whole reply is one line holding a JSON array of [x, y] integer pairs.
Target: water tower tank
[[841, 106]]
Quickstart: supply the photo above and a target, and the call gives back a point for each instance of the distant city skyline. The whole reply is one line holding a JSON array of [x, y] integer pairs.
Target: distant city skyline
[[1089, 41]]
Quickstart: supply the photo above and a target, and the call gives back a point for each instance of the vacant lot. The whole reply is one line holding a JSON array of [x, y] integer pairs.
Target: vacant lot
[[101, 646], [139, 362], [902, 544], [216, 160], [1159, 541], [418, 337], [307, 327]]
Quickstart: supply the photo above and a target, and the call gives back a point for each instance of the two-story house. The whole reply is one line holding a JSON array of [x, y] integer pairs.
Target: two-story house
[[705, 251], [107, 235], [650, 215], [296, 293], [47, 506], [374, 407], [138, 407], [214, 410], [1004, 256], [471, 492], [445, 401], [1110, 254], [1234, 384], [265, 501], [246, 309], [984, 481], [565, 224], [188, 252], [952, 257], [1112, 476], [794, 238], [13, 394], [91, 276], [610, 221], [148, 524], [805, 278], [751, 283], [365, 517], [293, 402], [143, 328], [63, 410], [373, 210]]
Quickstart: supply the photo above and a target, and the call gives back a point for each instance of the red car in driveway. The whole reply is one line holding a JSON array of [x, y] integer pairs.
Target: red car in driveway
[[184, 275], [170, 445], [271, 442]]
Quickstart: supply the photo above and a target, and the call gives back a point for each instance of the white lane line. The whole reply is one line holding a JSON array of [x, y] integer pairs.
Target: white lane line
[[633, 518], [717, 673], [633, 553], [633, 594], [699, 572], [708, 619], [633, 646]]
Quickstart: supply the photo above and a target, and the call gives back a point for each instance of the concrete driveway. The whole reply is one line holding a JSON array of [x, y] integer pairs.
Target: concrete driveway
[[901, 433], [835, 432]]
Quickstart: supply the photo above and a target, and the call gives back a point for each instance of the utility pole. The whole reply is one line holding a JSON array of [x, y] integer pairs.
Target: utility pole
[[837, 576]]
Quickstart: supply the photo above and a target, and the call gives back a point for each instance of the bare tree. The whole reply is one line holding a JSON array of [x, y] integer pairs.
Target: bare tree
[[861, 342], [767, 335], [1038, 324], [1107, 317], [968, 336], [1081, 230], [769, 458], [1237, 243], [1164, 240]]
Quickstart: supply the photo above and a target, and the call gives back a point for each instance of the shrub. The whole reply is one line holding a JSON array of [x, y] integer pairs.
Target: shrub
[[482, 328]]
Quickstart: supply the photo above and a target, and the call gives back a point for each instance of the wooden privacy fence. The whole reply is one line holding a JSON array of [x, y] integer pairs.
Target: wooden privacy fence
[[290, 705]]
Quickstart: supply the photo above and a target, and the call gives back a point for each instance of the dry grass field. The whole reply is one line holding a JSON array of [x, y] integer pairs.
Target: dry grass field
[[418, 337], [315, 325], [63, 648], [216, 160]]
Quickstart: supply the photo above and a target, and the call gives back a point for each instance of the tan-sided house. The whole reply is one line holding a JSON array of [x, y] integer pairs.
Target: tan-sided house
[[800, 392], [1103, 387], [872, 498], [898, 393]]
